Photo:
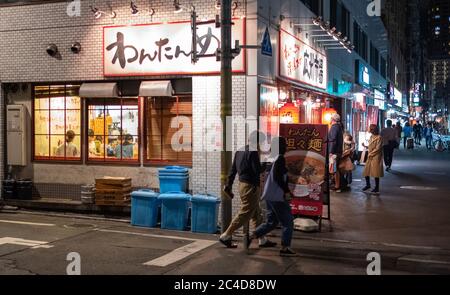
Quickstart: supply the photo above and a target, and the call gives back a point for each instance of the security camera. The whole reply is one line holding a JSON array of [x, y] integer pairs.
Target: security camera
[[76, 47], [52, 50]]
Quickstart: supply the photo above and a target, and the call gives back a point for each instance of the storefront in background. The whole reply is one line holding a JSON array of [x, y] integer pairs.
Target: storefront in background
[[299, 93]]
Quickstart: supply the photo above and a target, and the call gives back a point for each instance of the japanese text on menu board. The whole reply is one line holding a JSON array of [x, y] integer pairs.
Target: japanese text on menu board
[[306, 162]]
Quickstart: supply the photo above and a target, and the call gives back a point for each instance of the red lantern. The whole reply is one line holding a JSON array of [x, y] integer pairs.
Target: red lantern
[[289, 114], [327, 114]]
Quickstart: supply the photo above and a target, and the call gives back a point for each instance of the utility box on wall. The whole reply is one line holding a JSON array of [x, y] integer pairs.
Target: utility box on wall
[[17, 134]]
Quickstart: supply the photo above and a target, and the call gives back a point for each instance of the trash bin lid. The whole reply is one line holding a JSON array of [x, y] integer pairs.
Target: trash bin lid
[[144, 193], [204, 199], [176, 169], [177, 177], [175, 196]]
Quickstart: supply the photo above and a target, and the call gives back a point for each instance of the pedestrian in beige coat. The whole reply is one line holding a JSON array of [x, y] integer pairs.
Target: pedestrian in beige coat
[[374, 165]]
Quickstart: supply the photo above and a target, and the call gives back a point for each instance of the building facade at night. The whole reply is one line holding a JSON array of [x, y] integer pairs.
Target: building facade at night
[[395, 19], [118, 80], [438, 32]]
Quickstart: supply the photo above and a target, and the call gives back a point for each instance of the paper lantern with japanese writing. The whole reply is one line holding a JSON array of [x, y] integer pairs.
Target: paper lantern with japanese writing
[[289, 114], [327, 114]]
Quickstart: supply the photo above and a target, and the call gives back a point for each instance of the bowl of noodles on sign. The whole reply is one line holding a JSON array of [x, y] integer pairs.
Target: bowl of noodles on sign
[[304, 169]]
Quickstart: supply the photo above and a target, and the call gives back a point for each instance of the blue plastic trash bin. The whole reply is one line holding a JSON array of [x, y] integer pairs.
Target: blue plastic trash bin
[[174, 210], [144, 208], [173, 184], [205, 212]]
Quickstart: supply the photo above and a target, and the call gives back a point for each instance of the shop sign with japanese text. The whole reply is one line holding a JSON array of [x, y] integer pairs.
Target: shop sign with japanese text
[[163, 49], [300, 62], [306, 162]]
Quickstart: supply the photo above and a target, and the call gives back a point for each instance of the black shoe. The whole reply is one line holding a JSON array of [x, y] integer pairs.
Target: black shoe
[[268, 244], [228, 243], [367, 187], [287, 252], [248, 240], [375, 191]]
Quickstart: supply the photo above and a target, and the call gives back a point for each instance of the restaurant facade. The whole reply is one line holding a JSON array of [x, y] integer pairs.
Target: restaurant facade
[[125, 89]]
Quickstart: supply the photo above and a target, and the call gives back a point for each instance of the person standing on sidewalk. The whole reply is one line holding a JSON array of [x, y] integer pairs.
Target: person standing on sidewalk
[[399, 129], [374, 164], [277, 196], [415, 129], [428, 134], [247, 164], [420, 133], [347, 157], [390, 142], [336, 146], [407, 130]]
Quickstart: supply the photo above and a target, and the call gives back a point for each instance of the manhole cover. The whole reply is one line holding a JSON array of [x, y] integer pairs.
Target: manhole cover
[[419, 188], [79, 225]]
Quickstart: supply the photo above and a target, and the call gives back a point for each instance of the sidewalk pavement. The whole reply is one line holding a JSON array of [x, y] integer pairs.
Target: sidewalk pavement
[[409, 221], [408, 224]]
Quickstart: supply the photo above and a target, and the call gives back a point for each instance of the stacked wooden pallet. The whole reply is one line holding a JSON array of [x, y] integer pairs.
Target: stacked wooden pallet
[[112, 191]]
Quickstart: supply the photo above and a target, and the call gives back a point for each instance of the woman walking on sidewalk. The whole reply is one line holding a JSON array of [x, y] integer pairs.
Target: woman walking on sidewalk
[[374, 164], [277, 196]]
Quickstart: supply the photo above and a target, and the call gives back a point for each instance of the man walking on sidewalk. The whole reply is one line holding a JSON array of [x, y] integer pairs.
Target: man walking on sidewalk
[[390, 142], [247, 164]]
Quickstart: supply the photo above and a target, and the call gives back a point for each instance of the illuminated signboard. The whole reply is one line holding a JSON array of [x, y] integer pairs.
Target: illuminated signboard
[[398, 97], [380, 99], [362, 73], [162, 49], [300, 62]]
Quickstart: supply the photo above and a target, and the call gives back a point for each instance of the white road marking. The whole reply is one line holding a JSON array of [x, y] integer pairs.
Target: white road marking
[[22, 242], [424, 260], [146, 235], [419, 188], [180, 253], [173, 256], [27, 223], [436, 173]]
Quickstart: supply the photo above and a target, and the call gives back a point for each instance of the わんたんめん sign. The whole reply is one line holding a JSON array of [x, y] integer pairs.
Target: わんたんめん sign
[[158, 49]]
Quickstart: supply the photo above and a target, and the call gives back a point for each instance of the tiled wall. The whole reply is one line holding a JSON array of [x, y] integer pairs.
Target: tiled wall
[[23, 59]]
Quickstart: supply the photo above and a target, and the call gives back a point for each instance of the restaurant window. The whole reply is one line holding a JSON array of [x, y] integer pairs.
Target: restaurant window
[[169, 129], [113, 130], [57, 123]]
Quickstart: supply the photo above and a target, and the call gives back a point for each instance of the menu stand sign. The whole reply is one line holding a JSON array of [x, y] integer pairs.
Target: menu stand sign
[[307, 162]]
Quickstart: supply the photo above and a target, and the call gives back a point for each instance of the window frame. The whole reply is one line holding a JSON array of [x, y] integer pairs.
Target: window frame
[[50, 159], [106, 161], [148, 162]]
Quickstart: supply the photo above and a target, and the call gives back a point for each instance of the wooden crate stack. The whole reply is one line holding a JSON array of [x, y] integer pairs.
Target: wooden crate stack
[[112, 191]]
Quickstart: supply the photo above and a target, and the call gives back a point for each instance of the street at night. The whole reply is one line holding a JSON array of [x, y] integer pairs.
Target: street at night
[[225, 146], [409, 228]]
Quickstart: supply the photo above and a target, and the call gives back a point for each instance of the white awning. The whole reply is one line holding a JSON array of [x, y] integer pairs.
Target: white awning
[[99, 90], [156, 88]]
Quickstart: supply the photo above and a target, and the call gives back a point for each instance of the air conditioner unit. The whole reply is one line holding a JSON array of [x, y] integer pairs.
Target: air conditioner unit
[[17, 134]]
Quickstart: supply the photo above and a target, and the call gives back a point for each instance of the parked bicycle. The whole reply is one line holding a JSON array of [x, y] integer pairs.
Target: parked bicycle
[[441, 142]]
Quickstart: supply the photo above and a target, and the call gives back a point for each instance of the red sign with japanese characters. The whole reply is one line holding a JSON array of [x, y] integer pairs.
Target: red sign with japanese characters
[[306, 163]]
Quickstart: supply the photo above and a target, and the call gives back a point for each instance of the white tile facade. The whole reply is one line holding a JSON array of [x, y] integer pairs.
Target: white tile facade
[[23, 59]]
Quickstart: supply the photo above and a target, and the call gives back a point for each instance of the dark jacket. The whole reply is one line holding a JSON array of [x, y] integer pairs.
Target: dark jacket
[[247, 164], [279, 173], [336, 140]]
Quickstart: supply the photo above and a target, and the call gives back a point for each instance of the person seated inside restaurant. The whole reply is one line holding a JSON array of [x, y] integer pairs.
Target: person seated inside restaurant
[[125, 148], [68, 147], [92, 146]]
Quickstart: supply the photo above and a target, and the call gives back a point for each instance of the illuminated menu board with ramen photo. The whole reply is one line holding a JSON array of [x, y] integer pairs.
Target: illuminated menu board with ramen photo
[[306, 163]]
